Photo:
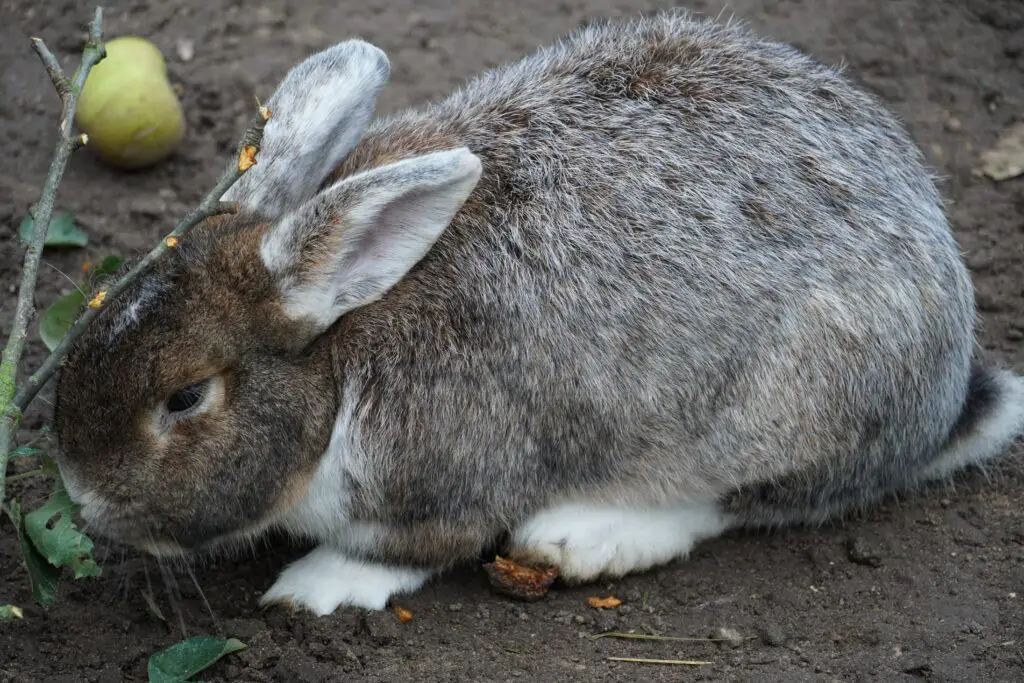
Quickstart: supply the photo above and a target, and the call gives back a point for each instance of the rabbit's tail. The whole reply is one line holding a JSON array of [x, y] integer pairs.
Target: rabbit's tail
[[992, 418]]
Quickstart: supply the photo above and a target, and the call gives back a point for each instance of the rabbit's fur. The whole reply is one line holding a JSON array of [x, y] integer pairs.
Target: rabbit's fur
[[654, 282]]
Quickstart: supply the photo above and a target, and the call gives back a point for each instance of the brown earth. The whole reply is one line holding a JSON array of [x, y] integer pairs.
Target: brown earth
[[940, 596]]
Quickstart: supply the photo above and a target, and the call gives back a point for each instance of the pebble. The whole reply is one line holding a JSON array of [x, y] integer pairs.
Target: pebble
[[728, 637], [771, 634], [858, 553]]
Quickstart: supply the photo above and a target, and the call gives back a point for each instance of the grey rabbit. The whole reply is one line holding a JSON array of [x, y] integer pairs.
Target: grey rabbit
[[657, 281]]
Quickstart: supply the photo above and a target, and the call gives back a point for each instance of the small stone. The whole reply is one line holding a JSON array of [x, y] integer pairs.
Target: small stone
[[953, 124], [772, 635], [455, 607], [728, 637], [1015, 334], [186, 48], [858, 553], [633, 595]]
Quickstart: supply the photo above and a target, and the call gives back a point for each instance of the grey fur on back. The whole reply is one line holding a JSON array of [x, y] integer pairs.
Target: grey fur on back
[[698, 266]]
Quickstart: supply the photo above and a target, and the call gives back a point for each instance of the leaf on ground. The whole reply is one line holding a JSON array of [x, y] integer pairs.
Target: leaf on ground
[[1006, 159], [181, 661], [49, 466], [10, 612], [62, 231], [108, 266], [59, 318], [54, 534], [44, 577]]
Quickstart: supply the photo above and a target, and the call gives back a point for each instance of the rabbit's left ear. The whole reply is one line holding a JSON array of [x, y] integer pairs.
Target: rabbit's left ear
[[318, 114], [351, 243]]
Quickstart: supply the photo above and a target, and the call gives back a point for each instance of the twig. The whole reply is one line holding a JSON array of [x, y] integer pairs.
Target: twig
[[38, 472], [676, 662], [10, 413], [675, 639]]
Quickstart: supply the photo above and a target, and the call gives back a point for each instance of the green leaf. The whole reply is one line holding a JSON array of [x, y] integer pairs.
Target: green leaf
[[108, 266], [54, 534], [180, 662], [44, 577], [49, 466], [62, 232], [59, 318], [10, 612]]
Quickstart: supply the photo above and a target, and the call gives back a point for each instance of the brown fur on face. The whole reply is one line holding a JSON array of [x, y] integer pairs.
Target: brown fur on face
[[207, 309]]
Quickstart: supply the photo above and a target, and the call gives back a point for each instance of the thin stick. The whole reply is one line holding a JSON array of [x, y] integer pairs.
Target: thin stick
[[38, 472], [675, 662], [10, 413], [676, 639]]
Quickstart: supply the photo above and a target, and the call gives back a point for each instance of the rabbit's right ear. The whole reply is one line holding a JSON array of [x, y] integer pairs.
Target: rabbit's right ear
[[318, 114], [354, 241]]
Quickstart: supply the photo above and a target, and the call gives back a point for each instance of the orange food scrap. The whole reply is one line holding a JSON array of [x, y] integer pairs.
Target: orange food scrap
[[86, 266], [520, 581], [171, 241], [610, 602], [403, 614], [247, 159]]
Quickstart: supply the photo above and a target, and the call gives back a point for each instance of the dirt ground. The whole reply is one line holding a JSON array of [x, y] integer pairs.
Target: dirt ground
[[930, 588]]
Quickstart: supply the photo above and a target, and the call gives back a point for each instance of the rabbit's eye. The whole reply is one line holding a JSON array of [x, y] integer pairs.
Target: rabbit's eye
[[185, 398]]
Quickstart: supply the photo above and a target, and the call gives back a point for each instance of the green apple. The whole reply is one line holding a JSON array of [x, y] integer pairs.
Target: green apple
[[128, 108]]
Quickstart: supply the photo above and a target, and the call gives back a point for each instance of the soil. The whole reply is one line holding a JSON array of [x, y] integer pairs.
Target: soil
[[928, 588]]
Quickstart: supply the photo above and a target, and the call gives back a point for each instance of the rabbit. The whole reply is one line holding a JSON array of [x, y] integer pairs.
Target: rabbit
[[656, 282]]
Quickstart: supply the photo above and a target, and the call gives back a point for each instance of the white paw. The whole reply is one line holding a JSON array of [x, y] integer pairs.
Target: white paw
[[325, 580], [588, 541]]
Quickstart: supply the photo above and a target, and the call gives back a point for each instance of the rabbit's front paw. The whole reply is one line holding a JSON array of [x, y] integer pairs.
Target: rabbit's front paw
[[326, 579], [590, 541]]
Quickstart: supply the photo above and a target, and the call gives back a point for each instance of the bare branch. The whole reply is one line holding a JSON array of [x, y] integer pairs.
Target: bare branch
[[53, 68], [10, 413]]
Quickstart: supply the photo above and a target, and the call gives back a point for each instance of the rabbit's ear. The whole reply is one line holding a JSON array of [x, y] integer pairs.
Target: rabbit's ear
[[350, 244], [318, 114]]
